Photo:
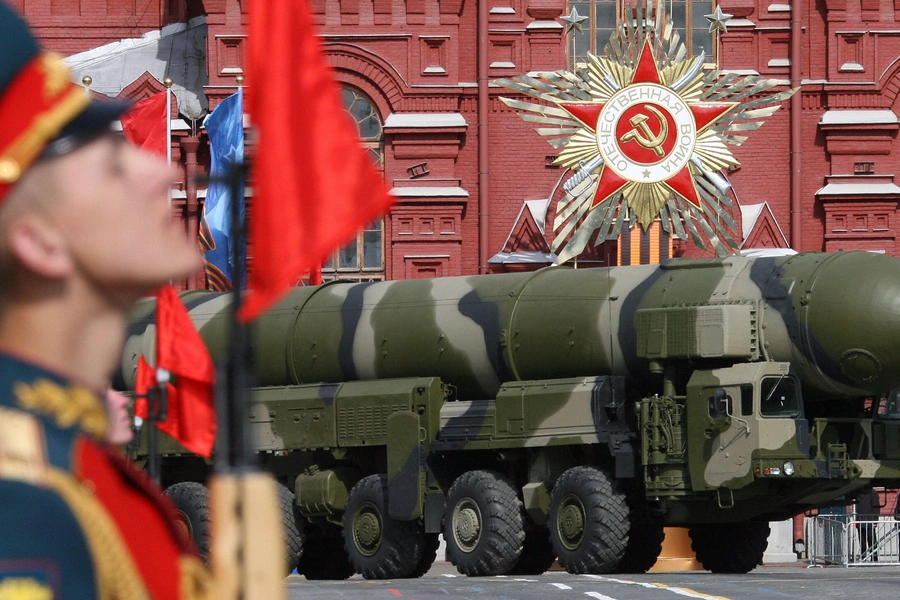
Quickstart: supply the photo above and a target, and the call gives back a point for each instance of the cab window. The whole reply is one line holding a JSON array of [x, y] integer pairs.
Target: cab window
[[719, 405], [747, 400], [889, 407], [779, 397]]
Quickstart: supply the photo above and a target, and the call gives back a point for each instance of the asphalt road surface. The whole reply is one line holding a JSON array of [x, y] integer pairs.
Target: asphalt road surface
[[444, 582]]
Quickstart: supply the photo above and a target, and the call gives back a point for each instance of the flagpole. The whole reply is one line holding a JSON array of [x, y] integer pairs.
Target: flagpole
[[86, 81], [157, 411], [244, 499], [238, 454], [168, 83], [235, 452], [157, 402]]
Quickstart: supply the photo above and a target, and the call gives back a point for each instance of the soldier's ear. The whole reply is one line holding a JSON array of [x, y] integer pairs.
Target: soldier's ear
[[38, 245]]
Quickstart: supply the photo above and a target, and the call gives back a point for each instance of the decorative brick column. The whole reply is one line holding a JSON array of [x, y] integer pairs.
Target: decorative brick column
[[189, 147]]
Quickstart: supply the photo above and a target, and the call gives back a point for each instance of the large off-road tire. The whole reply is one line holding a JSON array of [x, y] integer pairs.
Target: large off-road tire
[[429, 554], [191, 500], [379, 546], [324, 559], [537, 552], [645, 537], [588, 521], [644, 546], [483, 524], [293, 527], [730, 547]]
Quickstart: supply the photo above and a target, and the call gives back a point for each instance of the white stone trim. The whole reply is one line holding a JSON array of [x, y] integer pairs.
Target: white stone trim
[[424, 120], [176, 125], [522, 257], [544, 25], [430, 192], [741, 71], [859, 117], [852, 67], [248, 193], [859, 189]]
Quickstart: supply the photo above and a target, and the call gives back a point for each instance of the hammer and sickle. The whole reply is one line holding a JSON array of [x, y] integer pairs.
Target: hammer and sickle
[[643, 135]]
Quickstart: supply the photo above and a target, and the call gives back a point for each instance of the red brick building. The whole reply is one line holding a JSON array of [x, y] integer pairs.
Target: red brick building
[[846, 57], [470, 177]]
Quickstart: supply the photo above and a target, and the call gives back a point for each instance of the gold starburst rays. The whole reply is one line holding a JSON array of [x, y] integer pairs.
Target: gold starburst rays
[[643, 132]]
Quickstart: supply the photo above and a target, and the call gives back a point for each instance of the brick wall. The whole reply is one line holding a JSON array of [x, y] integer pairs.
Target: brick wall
[[848, 59], [419, 56], [71, 26]]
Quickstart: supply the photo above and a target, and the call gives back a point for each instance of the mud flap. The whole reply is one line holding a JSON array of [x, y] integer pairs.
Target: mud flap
[[406, 477]]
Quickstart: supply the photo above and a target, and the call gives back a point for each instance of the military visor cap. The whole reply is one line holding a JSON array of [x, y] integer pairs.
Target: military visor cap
[[42, 112]]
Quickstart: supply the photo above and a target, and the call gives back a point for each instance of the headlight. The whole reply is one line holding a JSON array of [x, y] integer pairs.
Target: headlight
[[788, 468]]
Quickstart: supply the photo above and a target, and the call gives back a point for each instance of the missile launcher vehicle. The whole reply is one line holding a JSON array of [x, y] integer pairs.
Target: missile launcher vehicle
[[565, 414]]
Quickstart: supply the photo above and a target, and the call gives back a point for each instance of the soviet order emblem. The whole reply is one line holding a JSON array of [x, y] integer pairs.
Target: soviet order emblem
[[642, 132], [646, 133]]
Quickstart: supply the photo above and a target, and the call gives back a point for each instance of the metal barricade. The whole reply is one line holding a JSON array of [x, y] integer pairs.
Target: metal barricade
[[853, 541], [873, 540], [826, 539]]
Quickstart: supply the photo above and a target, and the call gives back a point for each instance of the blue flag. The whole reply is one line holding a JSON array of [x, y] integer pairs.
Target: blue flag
[[225, 127]]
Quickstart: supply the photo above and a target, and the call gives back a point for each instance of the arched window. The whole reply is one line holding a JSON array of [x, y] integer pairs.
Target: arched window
[[363, 258], [368, 123]]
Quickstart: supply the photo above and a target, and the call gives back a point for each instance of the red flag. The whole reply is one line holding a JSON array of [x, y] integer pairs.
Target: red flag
[[191, 417], [144, 125], [146, 379], [314, 185]]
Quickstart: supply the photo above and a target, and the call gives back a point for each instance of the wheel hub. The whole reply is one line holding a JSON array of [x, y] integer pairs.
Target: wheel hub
[[570, 522], [367, 530], [467, 525]]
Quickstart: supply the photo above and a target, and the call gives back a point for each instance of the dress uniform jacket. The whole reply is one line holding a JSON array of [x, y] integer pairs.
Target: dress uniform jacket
[[77, 521]]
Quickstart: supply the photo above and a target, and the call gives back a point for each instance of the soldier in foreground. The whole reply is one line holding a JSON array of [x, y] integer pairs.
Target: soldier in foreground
[[85, 231]]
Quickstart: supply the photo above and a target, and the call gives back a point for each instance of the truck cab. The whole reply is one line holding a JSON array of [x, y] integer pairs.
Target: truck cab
[[744, 421]]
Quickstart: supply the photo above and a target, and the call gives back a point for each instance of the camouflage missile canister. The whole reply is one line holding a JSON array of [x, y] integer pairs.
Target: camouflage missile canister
[[834, 317]]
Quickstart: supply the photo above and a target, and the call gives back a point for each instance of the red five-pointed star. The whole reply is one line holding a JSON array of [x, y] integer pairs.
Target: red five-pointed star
[[680, 180]]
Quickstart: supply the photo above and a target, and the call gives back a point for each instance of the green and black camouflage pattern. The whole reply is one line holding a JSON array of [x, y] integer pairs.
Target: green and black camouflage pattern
[[834, 317], [657, 372]]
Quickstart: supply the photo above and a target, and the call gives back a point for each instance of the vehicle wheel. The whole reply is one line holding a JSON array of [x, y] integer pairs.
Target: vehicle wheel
[[645, 538], [324, 559], [484, 524], [379, 546], [588, 521], [429, 553], [293, 527], [191, 500], [730, 547], [537, 552]]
